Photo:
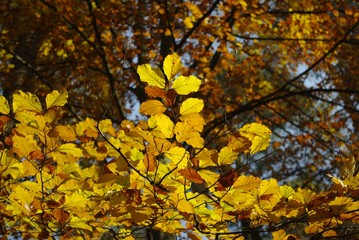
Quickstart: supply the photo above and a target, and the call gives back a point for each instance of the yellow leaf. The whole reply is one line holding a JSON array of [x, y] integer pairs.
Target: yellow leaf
[[185, 85], [152, 76], [188, 22], [267, 187], [185, 133], [178, 156], [286, 191], [195, 120], [66, 133], [258, 134], [182, 205], [303, 196], [24, 146], [246, 183], [239, 143], [209, 176], [172, 65], [26, 102], [4, 106], [56, 99], [205, 158], [106, 126], [191, 105], [227, 156], [87, 128], [279, 235], [70, 148], [78, 223], [162, 124], [152, 107]]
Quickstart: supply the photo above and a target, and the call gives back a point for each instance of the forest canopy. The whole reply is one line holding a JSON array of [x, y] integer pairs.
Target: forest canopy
[[179, 119]]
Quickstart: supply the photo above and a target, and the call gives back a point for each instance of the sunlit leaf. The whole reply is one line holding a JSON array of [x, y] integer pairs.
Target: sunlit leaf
[[186, 133], [267, 187], [206, 158], [286, 191], [70, 148], [4, 106], [155, 92], [26, 102], [246, 183], [179, 201], [191, 175], [195, 120], [66, 133], [227, 156], [79, 223], [179, 156], [152, 107], [56, 99], [162, 124], [152, 76], [258, 134], [24, 146], [172, 65], [185, 85], [191, 105]]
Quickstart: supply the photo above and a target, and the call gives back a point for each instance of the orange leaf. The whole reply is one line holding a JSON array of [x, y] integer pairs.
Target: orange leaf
[[61, 215], [155, 92], [191, 175]]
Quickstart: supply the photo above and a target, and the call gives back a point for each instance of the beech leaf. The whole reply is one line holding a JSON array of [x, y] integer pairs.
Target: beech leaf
[[4, 106], [185, 85], [26, 102], [56, 99], [172, 65], [191, 105], [152, 107], [258, 134], [152, 76]]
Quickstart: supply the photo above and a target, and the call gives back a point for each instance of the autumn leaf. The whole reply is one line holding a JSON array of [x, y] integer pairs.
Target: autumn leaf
[[191, 105], [258, 134], [26, 102], [152, 76], [162, 124], [152, 107], [155, 92], [188, 22], [191, 175], [172, 65], [24, 146], [4, 106], [185, 85], [196, 121], [79, 223], [239, 143], [179, 201], [56, 99], [226, 156], [61, 215], [70, 148], [186, 133], [179, 156], [246, 183], [66, 133], [205, 158], [267, 187]]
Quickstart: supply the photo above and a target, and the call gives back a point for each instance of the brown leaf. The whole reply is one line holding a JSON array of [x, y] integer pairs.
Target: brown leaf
[[191, 175], [155, 92], [61, 215]]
